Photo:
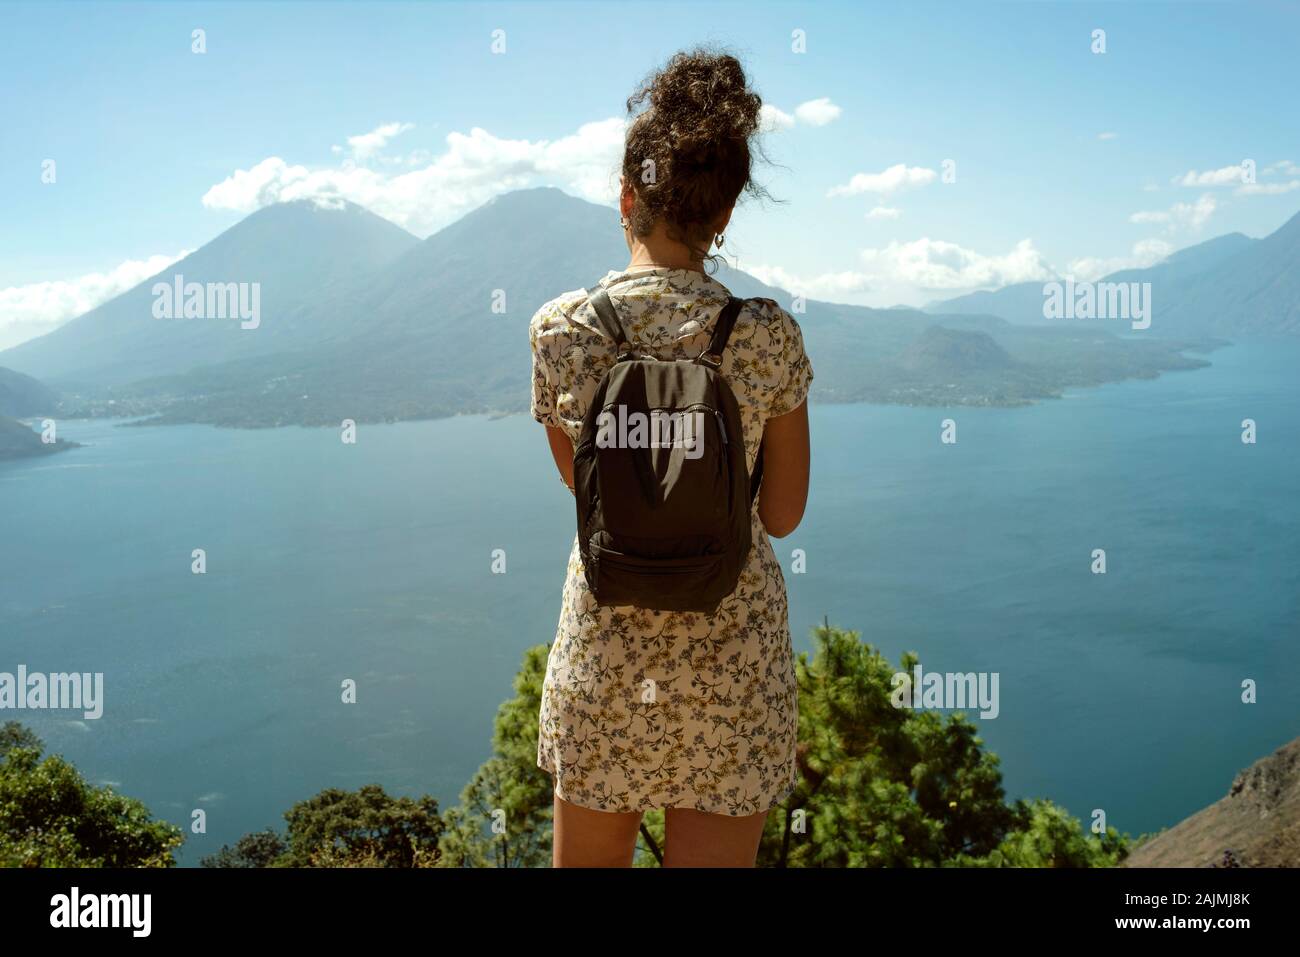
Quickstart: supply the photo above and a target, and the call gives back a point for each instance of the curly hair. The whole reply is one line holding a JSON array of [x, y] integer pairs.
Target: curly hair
[[688, 154]]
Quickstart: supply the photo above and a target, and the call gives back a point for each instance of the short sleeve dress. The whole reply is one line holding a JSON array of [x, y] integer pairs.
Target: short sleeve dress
[[647, 709]]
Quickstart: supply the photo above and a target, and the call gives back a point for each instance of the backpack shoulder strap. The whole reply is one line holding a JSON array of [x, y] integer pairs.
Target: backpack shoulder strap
[[756, 476], [607, 316], [712, 355]]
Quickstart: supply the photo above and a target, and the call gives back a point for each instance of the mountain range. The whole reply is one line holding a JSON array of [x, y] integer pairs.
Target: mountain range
[[359, 319], [1231, 285], [22, 396], [295, 252]]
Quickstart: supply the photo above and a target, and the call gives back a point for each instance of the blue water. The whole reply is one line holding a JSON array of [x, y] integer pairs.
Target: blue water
[[373, 562]]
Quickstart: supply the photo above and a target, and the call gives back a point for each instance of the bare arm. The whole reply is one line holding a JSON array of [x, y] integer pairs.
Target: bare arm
[[562, 452], [786, 455]]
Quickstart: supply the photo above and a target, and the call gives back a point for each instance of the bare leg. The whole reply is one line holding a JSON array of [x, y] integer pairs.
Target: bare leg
[[587, 838], [697, 839]]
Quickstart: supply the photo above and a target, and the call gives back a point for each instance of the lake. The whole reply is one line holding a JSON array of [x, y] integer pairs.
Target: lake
[[372, 561]]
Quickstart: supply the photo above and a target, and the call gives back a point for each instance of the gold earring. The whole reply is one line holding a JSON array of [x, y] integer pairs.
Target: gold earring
[[718, 239]]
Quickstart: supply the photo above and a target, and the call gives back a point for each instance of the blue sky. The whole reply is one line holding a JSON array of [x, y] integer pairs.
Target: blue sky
[[1066, 161]]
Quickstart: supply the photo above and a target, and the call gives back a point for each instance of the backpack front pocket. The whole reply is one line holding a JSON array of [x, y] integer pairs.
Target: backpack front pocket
[[667, 584]]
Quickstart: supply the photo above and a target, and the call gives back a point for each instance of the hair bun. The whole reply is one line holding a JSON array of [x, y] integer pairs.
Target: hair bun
[[698, 118], [706, 96]]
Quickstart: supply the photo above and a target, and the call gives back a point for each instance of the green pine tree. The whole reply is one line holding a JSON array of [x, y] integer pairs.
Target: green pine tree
[[50, 817]]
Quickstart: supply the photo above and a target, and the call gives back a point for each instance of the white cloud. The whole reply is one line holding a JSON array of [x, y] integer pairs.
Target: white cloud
[[771, 119], [1227, 176], [473, 168], [831, 286], [884, 212], [1191, 215], [817, 112], [366, 145], [1285, 167], [1267, 189], [424, 192], [1146, 252], [1107, 136], [588, 160], [895, 177], [1195, 214], [936, 264], [42, 306], [896, 272]]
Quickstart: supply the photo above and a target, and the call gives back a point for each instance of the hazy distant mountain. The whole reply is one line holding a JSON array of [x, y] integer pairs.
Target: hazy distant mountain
[[295, 252], [1253, 292], [1230, 285], [21, 395], [1020, 302], [415, 335], [17, 441], [1192, 260], [423, 339], [940, 351]]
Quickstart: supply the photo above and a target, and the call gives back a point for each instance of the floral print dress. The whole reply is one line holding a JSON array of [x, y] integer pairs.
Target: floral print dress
[[647, 709]]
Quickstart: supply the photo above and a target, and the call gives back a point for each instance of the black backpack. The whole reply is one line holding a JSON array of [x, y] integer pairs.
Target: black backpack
[[659, 473]]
